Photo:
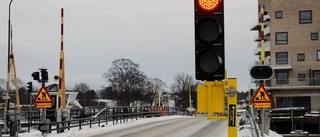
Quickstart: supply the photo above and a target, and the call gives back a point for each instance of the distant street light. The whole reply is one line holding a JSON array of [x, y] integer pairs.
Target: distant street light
[[9, 32], [7, 101]]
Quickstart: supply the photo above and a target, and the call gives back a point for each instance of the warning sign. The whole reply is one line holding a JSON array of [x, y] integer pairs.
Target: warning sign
[[43, 96], [261, 98], [43, 105]]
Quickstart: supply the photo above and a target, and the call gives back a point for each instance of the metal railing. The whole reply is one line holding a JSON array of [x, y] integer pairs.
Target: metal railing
[[118, 117], [88, 116]]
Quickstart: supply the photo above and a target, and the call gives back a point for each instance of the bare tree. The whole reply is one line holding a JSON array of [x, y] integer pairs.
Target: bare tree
[[90, 98], [21, 90], [85, 96], [181, 87], [2, 89], [126, 79], [81, 87], [108, 93], [182, 81], [151, 89]]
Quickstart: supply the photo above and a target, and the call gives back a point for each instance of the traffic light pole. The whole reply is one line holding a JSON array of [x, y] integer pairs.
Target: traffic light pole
[[262, 57], [211, 99], [44, 76]]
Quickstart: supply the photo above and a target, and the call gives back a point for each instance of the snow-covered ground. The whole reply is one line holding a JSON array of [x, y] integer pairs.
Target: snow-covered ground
[[75, 132]]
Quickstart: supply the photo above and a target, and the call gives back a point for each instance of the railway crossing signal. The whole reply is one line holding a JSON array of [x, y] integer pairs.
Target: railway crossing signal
[[262, 72]]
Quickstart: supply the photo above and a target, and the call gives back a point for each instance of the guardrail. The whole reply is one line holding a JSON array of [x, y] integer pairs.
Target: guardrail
[[87, 116], [253, 124], [61, 126]]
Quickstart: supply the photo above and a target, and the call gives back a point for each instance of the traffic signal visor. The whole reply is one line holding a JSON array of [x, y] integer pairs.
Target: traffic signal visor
[[261, 72]]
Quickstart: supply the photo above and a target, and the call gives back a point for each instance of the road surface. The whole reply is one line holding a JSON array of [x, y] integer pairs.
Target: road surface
[[181, 127]]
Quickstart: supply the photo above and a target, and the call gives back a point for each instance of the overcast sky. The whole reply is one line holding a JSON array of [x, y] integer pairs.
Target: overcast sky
[[157, 34]]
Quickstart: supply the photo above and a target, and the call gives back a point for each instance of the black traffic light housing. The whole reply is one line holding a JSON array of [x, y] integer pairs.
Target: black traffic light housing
[[262, 72], [44, 75], [36, 76], [209, 40], [29, 87]]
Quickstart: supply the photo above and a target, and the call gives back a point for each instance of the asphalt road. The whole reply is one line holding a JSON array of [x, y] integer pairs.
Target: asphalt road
[[182, 127]]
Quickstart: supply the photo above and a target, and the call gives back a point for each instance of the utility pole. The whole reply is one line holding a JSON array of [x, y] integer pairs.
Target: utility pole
[[262, 57], [159, 96], [190, 106]]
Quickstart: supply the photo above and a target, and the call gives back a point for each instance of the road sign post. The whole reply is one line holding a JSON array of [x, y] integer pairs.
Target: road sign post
[[232, 108]]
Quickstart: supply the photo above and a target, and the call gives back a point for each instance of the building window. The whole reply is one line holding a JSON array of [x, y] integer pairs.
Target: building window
[[305, 17], [278, 14], [281, 38], [314, 36], [282, 77], [316, 77], [286, 102], [318, 55], [300, 57], [301, 77], [282, 57]]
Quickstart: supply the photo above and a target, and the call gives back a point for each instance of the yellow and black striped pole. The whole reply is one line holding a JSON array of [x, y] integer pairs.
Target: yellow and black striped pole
[[61, 91], [262, 55]]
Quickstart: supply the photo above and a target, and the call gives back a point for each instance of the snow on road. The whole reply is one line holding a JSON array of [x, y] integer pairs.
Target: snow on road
[[216, 128]]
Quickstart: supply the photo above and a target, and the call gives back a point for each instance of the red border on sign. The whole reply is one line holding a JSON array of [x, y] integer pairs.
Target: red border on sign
[[256, 94], [39, 101]]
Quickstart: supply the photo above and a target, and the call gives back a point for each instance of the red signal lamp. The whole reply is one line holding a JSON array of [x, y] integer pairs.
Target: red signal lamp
[[209, 4]]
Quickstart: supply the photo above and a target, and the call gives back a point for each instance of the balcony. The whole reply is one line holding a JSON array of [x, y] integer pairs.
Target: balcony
[[282, 64], [295, 83], [257, 26], [257, 37], [266, 48], [267, 31]]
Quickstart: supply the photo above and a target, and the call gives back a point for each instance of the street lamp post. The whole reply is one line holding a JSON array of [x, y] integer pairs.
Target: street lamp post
[[9, 32], [9, 42]]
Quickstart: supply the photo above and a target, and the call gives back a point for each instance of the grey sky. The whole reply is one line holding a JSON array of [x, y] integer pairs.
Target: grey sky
[[158, 35]]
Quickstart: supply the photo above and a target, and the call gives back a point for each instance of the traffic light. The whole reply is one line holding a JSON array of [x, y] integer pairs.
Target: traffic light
[[29, 87], [209, 40], [36, 76], [261, 72], [44, 75]]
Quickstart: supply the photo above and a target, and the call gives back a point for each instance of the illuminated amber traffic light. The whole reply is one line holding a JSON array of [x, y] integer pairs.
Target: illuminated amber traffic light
[[209, 40], [209, 4]]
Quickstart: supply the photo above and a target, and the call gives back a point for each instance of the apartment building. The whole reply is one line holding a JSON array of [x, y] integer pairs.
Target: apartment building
[[292, 49]]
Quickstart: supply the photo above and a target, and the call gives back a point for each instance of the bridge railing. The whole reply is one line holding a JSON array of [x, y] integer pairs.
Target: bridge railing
[[32, 119], [98, 120]]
